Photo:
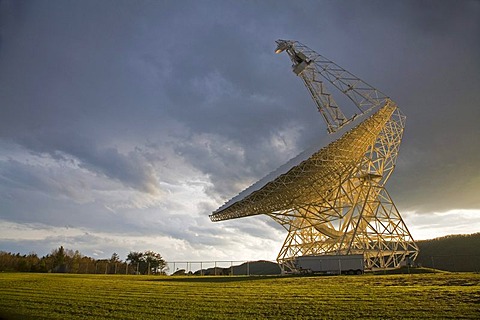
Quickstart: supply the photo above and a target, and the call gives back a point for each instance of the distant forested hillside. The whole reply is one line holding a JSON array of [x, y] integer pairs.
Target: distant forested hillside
[[451, 253]]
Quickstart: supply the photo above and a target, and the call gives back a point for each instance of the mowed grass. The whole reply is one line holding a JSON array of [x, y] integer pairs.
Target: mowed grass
[[67, 296]]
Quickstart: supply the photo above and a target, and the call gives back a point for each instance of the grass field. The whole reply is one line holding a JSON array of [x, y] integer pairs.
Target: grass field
[[67, 296]]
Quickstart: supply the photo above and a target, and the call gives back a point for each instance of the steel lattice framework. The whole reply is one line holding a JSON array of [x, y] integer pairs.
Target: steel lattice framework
[[332, 199]]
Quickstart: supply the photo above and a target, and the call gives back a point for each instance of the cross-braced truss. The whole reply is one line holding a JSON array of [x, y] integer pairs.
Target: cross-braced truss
[[355, 215], [333, 200]]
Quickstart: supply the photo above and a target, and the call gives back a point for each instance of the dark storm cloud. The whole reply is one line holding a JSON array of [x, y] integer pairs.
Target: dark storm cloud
[[82, 96], [135, 100], [63, 91], [423, 54], [436, 83]]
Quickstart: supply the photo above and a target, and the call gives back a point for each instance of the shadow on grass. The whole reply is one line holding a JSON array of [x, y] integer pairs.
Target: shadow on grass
[[407, 270], [214, 279], [237, 278]]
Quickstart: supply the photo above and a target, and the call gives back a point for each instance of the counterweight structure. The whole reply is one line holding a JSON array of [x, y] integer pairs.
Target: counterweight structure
[[331, 198]]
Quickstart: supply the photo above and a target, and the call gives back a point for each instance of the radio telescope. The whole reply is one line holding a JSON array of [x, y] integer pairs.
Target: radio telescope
[[331, 198]]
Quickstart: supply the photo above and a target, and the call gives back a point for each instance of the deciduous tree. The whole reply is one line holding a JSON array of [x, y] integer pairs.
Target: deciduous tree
[[142, 261]]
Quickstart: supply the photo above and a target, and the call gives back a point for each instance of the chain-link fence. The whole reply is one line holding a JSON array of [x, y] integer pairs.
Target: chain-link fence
[[200, 268], [234, 267]]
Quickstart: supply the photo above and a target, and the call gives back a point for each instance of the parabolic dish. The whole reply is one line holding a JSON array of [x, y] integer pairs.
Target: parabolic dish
[[290, 184]]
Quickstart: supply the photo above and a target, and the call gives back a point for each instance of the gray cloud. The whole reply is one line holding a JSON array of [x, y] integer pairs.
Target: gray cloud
[[144, 117]]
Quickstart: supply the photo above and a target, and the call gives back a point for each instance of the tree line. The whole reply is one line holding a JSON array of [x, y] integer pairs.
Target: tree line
[[456, 253], [62, 260]]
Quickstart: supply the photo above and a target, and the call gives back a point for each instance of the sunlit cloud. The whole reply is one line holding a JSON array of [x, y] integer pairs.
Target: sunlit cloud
[[428, 225]]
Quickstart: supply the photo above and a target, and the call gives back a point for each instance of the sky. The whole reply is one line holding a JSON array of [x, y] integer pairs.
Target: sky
[[124, 124]]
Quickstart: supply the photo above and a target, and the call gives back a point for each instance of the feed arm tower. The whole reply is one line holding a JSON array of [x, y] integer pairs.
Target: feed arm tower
[[331, 198]]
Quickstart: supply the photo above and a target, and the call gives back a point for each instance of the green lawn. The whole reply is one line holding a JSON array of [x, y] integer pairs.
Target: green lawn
[[67, 296]]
